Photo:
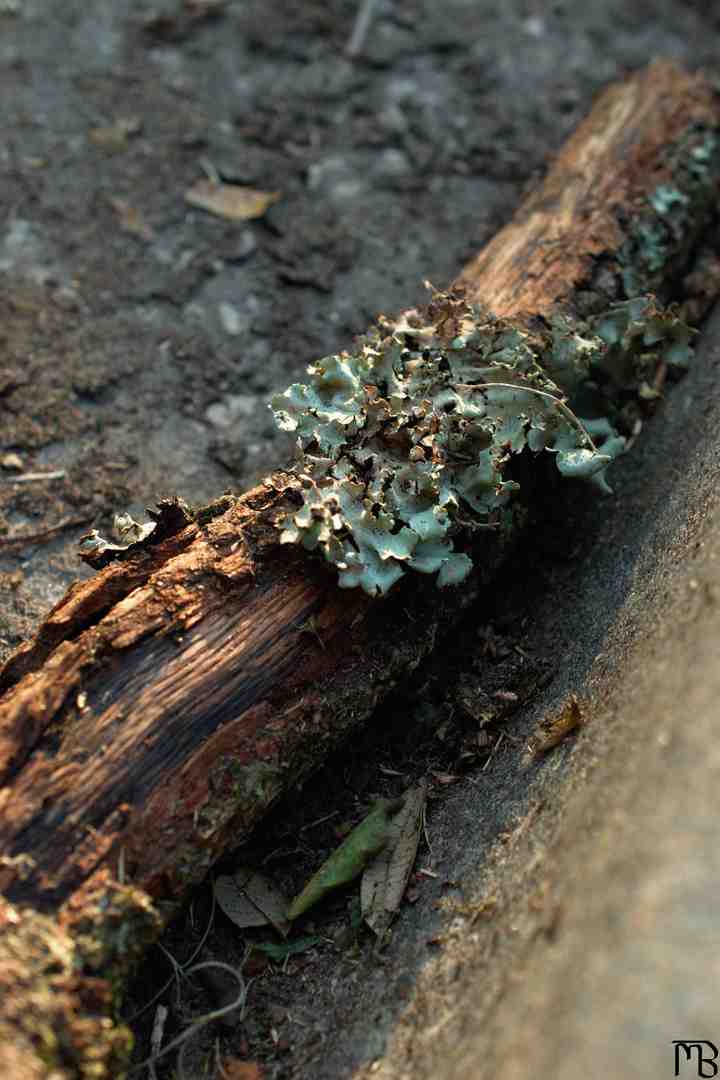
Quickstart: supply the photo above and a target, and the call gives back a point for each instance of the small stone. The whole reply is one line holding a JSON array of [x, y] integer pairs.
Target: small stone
[[12, 462], [392, 163], [232, 320], [234, 407], [67, 298], [328, 169], [347, 190], [335, 177], [393, 119], [246, 245], [534, 26]]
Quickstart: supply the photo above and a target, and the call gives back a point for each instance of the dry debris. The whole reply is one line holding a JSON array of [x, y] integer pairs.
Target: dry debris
[[230, 201], [555, 727], [385, 879]]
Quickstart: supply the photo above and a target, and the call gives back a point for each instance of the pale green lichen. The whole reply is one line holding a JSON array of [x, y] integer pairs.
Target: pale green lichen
[[406, 442], [669, 222]]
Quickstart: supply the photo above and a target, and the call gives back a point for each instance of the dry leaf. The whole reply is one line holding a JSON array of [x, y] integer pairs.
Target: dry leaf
[[235, 1069], [249, 899], [385, 878], [555, 728], [230, 201], [444, 777], [131, 220], [114, 137]]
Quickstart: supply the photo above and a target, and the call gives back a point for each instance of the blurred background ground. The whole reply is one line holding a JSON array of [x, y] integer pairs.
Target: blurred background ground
[[571, 924]]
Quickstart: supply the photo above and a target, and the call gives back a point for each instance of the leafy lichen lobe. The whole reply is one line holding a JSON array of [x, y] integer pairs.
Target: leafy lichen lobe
[[405, 442]]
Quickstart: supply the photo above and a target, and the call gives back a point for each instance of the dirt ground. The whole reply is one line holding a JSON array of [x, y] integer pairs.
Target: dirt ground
[[564, 917]]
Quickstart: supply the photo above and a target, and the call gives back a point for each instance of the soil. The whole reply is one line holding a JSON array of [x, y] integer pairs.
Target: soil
[[561, 919]]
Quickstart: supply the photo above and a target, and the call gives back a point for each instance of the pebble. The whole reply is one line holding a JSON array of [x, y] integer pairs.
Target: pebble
[[393, 119], [233, 321], [231, 409], [335, 177], [246, 245], [392, 163]]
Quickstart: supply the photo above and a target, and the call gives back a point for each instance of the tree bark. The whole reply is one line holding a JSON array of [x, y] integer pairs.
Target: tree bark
[[166, 703]]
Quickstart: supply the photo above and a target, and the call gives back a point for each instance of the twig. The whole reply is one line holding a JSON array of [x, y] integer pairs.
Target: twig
[[176, 966], [493, 752], [219, 1067], [156, 1038], [360, 28], [45, 534], [319, 821], [34, 477], [210, 171], [203, 1021]]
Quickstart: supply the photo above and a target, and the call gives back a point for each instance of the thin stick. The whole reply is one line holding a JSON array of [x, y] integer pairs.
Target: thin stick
[[156, 1038], [203, 1021], [360, 28], [45, 534], [35, 477], [176, 967]]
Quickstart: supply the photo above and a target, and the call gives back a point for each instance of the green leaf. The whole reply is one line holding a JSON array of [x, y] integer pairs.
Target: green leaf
[[280, 952], [349, 860]]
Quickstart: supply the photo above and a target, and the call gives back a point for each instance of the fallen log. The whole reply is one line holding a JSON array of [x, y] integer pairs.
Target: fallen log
[[166, 703]]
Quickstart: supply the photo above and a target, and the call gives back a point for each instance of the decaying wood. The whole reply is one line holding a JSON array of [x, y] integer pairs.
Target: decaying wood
[[166, 703]]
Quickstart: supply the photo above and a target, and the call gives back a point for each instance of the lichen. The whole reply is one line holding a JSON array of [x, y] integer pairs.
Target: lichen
[[669, 222], [135, 537], [406, 442]]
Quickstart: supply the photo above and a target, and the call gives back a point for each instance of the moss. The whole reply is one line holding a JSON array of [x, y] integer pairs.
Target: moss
[[54, 1010], [111, 930], [258, 782], [405, 443]]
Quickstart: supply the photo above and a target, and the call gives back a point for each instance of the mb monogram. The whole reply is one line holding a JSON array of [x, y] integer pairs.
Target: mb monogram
[[695, 1057]]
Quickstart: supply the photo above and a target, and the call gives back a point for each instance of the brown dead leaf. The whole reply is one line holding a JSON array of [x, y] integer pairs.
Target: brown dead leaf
[[235, 1069], [249, 899], [385, 879], [555, 728], [131, 220], [230, 201]]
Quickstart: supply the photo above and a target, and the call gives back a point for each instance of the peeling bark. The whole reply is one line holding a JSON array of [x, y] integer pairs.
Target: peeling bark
[[165, 704]]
